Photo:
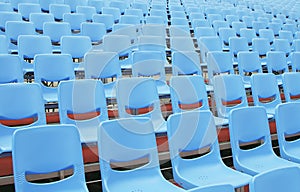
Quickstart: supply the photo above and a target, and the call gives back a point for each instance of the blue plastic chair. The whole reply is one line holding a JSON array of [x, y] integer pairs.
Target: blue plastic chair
[[187, 135], [283, 34], [8, 16], [19, 102], [186, 63], [152, 43], [214, 188], [262, 46], [140, 5], [98, 4], [225, 34], [55, 30], [135, 12], [277, 64], [243, 130], [75, 20], [190, 93], [105, 66], [295, 61], [47, 149], [268, 34], [249, 34], [25, 9], [82, 103], [121, 5], [88, 11], [229, 93], [154, 30], [291, 85], [151, 64], [58, 10], [276, 27], [219, 62], [11, 70], [237, 26], [296, 44], [120, 44], [77, 47], [248, 64], [265, 91], [107, 19], [217, 24], [129, 140], [129, 19], [46, 3], [281, 179], [157, 20], [95, 31], [179, 31], [204, 32], [158, 13], [200, 23], [238, 44], [42, 45], [38, 20], [284, 46], [207, 44], [137, 94], [112, 11], [5, 7], [49, 70]]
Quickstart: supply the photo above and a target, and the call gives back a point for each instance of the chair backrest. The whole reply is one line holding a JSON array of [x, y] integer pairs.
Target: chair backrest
[[36, 150], [295, 60], [116, 43], [219, 62], [265, 91], [154, 30], [291, 86], [190, 132], [129, 19], [268, 34], [151, 43], [58, 10], [282, 45], [95, 31], [15, 28], [237, 44], [135, 12], [261, 45], [27, 8], [248, 33], [107, 19], [88, 11], [229, 94], [283, 34], [76, 46], [137, 94], [55, 30], [188, 93], [82, 103], [281, 179], [207, 44], [181, 44], [11, 69], [186, 63], [38, 20], [3, 44], [237, 26], [217, 24], [22, 106], [276, 62], [243, 130], [126, 140], [75, 20], [51, 69], [204, 32], [112, 11], [8, 16], [248, 64]]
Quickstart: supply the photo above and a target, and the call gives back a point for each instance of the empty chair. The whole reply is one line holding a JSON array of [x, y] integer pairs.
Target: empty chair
[[179, 30], [98, 4], [200, 23], [34, 152], [214, 17], [15, 28], [160, 13], [238, 44], [229, 93], [207, 44], [119, 4], [129, 19], [186, 135], [284, 46], [46, 3], [248, 64], [243, 131], [88, 11], [277, 64], [107, 19], [257, 25], [26, 52], [120, 44], [55, 30], [22, 106], [249, 34], [140, 5], [225, 34], [5, 6], [25, 9], [151, 64], [74, 3], [186, 63], [265, 91], [82, 103], [49, 70], [231, 18], [204, 32], [295, 61], [152, 43], [126, 29], [276, 27], [75, 20], [95, 31], [158, 20], [181, 44], [296, 45], [105, 66], [248, 20], [286, 35], [11, 69], [281, 179], [138, 96], [287, 125], [8, 16], [237, 26], [268, 34], [262, 46], [290, 84], [218, 63], [135, 12], [38, 20], [219, 24], [77, 47], [154, 30], [112, 11], [58, 10], [118, 149], [190, 93]]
